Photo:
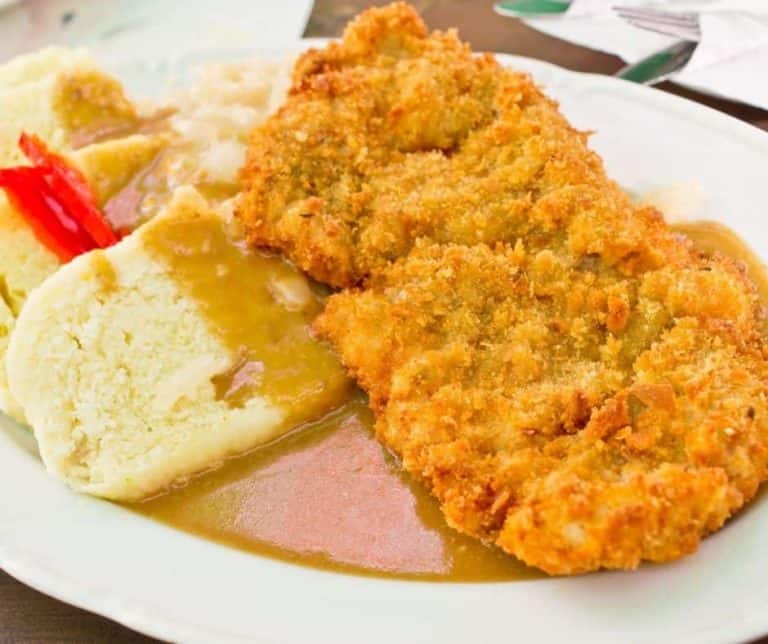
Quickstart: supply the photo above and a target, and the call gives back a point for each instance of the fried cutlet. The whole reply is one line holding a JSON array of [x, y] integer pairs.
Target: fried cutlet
[[569, 377], [395, 134], [496, 377]]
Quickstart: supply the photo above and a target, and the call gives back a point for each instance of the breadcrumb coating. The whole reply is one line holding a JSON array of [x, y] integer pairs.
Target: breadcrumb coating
[[568, 376], [395, 134], [494, 375]]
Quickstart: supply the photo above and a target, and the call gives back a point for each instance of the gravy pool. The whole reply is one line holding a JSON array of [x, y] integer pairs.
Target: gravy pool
[[329, 496]]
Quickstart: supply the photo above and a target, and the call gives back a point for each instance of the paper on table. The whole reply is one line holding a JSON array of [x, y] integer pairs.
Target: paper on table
[[601, 30], [597, 7], [731, 59]]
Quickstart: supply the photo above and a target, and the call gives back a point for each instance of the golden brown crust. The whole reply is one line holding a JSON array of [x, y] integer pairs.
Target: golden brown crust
[[569, 445], [570, 379], [394, 135]]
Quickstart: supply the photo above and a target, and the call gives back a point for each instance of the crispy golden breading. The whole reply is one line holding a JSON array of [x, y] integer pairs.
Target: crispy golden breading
[[495, 376], [395, 134], [569, 377]]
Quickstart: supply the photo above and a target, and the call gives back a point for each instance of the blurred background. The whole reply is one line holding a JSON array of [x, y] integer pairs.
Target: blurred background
[[728, 59]]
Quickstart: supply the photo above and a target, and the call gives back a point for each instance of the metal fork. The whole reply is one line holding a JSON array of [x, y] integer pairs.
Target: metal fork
[[661, 65], [651, 70]]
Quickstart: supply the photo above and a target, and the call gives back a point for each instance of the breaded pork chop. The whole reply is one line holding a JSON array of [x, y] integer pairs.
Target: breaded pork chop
[[567, 375], [495, 376], [395, 134]]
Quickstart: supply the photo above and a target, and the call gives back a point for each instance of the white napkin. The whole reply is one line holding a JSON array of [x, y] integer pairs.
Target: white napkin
[[731, 59]]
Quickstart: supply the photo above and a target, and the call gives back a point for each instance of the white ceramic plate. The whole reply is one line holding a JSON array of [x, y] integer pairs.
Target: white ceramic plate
[[175, 586]]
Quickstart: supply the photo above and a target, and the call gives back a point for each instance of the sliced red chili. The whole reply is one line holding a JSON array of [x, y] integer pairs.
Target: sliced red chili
[[29, 192], [71, 188], [57, 201]]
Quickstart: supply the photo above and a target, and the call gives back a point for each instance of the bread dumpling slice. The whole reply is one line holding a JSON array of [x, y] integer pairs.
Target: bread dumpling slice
[[57, 94], [146, 363]]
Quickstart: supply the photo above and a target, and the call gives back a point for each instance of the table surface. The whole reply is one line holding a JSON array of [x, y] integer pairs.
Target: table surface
[[28, 616]]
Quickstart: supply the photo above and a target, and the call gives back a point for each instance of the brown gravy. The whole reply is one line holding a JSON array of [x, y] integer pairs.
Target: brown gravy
[[92, 107], [328, 495], [152, 187], [260, 307]]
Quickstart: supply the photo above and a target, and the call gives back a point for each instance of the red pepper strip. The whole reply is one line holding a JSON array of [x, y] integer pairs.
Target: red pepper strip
[[71, 188], [81, 238], [34, 199]]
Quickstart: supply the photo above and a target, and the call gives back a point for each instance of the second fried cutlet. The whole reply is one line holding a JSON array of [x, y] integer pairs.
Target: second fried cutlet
[[575, 418]]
